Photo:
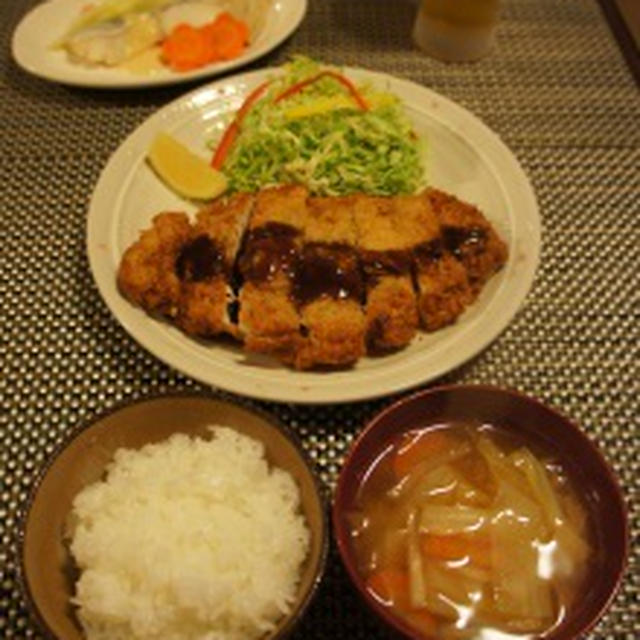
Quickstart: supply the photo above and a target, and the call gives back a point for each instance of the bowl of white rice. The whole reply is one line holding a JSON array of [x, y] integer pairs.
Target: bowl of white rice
[[178, 517]]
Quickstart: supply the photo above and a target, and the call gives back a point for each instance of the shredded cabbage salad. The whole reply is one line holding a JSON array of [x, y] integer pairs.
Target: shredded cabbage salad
[[321, 138]]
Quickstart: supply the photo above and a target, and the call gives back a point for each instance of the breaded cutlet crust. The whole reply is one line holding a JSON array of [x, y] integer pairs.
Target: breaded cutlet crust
[[285, 205], [484, 252], [203, 308], [415, 219], [206, 290], [146, 274], [441, 282], [391, 305], [333, 320], [391, 314], [225, 220], [444, 292], [330, 220], [268, 320], [375, 224], [336, 332]]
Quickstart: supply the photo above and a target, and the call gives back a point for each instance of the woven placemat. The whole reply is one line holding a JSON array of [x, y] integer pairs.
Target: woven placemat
[[556, 89]]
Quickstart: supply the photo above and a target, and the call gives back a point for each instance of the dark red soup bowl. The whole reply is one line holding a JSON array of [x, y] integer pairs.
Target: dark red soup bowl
[[525, 420]]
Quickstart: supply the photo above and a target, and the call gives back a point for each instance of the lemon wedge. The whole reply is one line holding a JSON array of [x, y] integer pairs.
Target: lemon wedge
[[186, 173]]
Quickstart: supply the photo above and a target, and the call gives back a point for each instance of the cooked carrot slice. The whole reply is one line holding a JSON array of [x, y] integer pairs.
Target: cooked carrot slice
[[186, 48], [391, 586], [227, 20], [455, 547], [243, 28], [424, 621], [228, 35], [417, 447]]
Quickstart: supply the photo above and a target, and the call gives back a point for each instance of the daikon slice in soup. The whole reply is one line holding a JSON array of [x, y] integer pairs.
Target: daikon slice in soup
[[466, 532]]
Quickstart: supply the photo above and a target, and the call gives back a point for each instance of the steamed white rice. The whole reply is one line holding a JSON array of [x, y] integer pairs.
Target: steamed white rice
[[188, 539]]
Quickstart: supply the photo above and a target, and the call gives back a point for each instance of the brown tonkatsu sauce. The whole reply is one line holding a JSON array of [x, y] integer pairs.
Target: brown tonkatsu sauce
[[316, 270], [459, 240], [200, 259], [374, 337], [269, 250], [378, 263], [427, 253], [329, 270]]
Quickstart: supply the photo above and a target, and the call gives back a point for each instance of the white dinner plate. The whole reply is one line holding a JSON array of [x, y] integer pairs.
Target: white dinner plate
[[46, 23], [464, 157]]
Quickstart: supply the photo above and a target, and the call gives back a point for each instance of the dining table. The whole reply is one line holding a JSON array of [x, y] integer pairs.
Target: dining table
[[559, 89]]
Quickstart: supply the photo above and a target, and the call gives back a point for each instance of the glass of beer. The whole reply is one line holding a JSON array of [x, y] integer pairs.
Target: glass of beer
[[456, 30]]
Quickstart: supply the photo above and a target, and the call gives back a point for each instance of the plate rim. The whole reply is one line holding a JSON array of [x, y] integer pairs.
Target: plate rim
[[335, 392], [89, 79]]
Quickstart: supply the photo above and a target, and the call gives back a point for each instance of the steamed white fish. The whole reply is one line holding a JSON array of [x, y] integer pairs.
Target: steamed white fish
[[113, 42]]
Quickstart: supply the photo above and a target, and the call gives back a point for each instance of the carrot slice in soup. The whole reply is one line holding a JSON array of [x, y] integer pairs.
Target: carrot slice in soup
[[416, 447], [391, 586], [455, 547], [423, 621]]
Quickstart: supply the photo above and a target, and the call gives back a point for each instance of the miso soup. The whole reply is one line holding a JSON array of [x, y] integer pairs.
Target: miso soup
[[467, 533]]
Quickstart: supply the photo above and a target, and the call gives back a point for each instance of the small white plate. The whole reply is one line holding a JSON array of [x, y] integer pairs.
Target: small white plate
[[46, 23], [464, 157]]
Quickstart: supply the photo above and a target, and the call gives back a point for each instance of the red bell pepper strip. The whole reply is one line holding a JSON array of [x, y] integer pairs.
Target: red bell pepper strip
[[296, 88], [231, 133], [229, 136], [251, 99], [224, 145]]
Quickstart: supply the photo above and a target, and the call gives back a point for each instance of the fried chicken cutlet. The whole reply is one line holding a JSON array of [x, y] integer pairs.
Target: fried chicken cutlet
[[441, 281], [268, 320], [469, 237], [328, 286], [205, 264], [314, 281], [181, 271], [384, 246], [147, 274], [452, 268]]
